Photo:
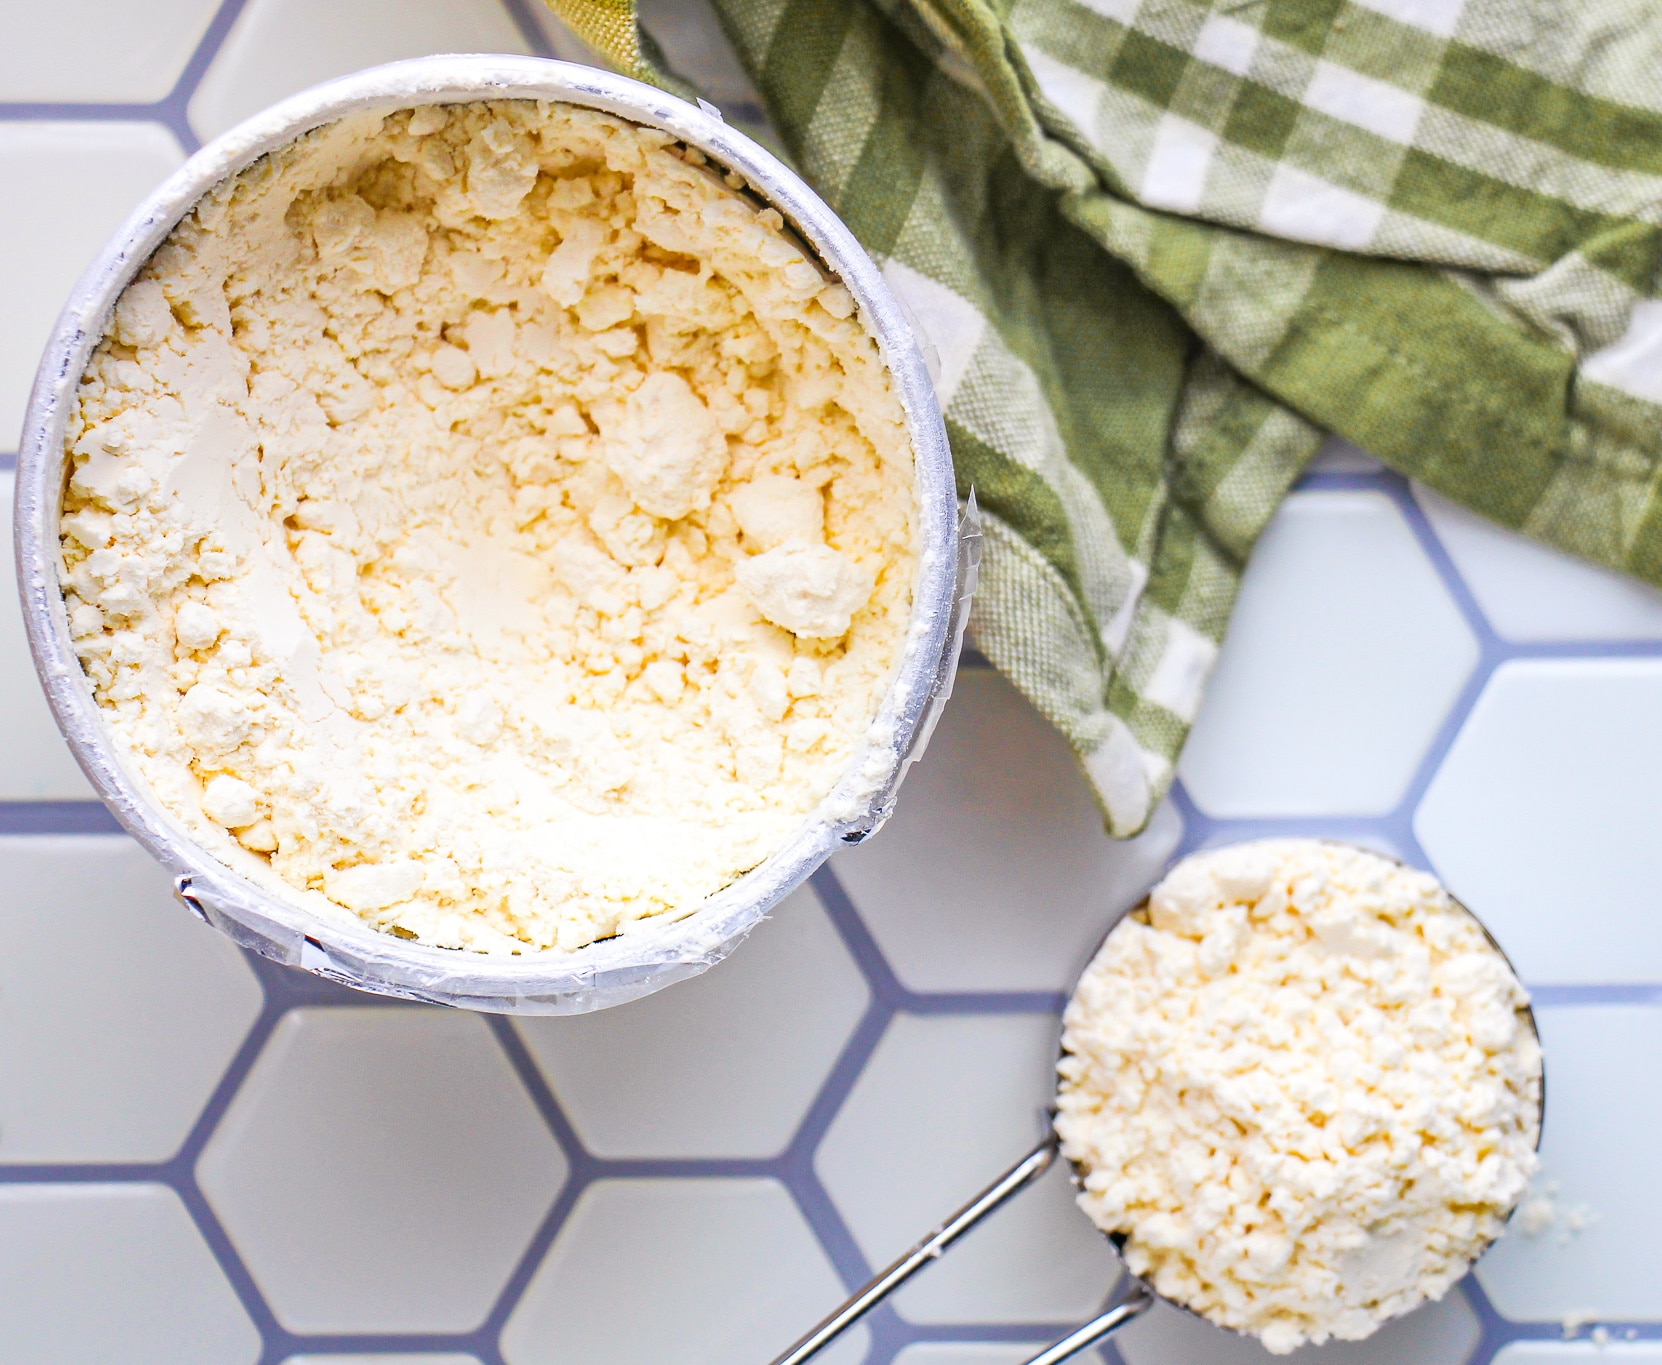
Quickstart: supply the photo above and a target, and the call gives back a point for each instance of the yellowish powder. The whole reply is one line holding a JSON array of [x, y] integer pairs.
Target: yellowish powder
[[1303, 1088], [487, 522]]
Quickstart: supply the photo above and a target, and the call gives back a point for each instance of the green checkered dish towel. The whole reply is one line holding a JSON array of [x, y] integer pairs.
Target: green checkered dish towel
[[1162, 247]]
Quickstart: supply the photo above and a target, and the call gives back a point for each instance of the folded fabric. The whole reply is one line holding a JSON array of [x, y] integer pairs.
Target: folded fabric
[[1161, 247]]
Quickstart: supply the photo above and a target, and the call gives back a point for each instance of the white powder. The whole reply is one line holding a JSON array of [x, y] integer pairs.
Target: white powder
[[1543, 1210], [487, 522], [1303, 1090]]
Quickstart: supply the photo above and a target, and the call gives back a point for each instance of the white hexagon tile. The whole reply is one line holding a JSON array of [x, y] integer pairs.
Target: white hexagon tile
[[129, 54], [701, 1272], [1594, 1254], [118, 1013], [1441, 1333], [727, 1064], [1544, 814], [101, 1272], [1531, 593], [273, 50], [424, 1359], [1344, 655], [381, 1170], [67, 187], [946, 1103], [997, 886], [208, 1159]]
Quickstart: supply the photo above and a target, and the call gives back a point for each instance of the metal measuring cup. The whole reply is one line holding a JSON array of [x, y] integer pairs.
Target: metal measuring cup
[[1135, 1296]]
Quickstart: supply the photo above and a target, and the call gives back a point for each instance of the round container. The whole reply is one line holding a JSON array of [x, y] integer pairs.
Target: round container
[[656, 951]]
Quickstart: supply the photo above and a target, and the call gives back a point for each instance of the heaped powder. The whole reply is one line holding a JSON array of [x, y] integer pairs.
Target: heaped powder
[[486, 521], [1302, 1087]]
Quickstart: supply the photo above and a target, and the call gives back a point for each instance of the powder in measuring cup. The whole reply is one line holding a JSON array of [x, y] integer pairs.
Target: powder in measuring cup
[[1303, 1090], [487, 522]]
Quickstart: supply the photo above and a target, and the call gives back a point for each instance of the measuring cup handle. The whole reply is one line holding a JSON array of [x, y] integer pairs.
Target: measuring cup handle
[[1136, 1300], [1012, 1182]]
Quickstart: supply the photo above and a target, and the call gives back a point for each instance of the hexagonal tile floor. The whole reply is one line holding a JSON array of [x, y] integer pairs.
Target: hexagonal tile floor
[[69, 183], [117, 1026], [1345, 655], [205, 1158], [105, 1271], [1445, 1331], [272, 49], [381, 1170], [426, 1359], [758, 1276]]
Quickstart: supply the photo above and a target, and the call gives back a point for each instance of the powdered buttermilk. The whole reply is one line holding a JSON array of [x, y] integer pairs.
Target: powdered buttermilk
[[487, 522], [1303, 1087]]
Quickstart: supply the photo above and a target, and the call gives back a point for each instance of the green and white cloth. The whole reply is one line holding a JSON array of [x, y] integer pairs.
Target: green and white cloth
[[1161, 247]]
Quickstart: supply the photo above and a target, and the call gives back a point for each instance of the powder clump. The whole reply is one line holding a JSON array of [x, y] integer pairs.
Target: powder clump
[[414, 496], [1302, 1086]]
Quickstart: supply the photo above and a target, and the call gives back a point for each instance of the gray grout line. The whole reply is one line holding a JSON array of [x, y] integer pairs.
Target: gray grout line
[[813, 1199], [1550, 996], [1494, 1331], [886, 983], [1400, 821], [1498, 1330], [172, 111], [57, 817]]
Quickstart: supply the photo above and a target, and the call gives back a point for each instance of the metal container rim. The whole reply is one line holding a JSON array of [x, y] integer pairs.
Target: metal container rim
[[656, 951]]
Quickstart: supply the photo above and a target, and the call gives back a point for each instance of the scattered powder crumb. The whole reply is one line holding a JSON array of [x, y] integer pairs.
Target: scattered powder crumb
[[1572, 1323], [486, 522], [1535, 1215], [1302, 1087], [1543, 1211]]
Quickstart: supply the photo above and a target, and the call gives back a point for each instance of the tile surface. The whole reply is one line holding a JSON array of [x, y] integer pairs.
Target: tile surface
[[112, 1273], [1529, 592], [1604, 1109], [1006, 884], [701, 1272], [1543, 817], [273, 49], [387, 1190], [118, 1011], [1343, 657], [68, 186], [724, 1066], [1442, 1333], [945, 1105], [135, 52], [37, 765], [381, 1170], [383, 1360]]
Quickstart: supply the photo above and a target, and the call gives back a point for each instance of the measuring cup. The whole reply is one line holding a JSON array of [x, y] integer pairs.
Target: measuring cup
[[1135, 1296]]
